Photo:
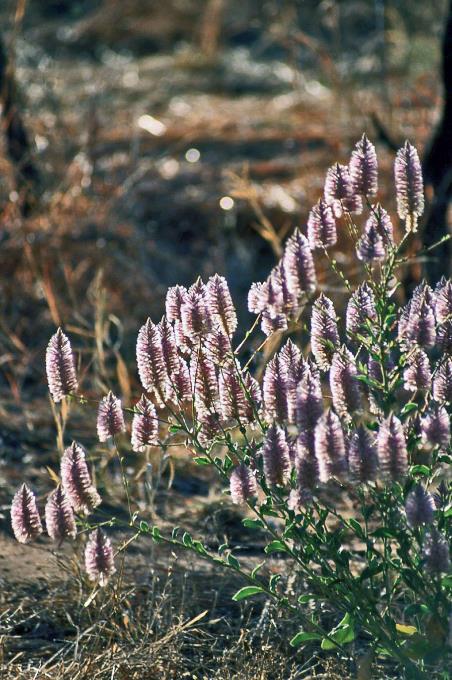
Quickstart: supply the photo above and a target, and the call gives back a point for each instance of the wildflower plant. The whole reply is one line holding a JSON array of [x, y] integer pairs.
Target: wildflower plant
[[341, 456]]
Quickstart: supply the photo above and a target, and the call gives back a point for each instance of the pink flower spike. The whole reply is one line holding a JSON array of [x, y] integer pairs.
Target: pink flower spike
[[243, 484], [409, 185], [76, 480], [145, 426], [60, 521], [110, 418], [60, 367], [99, 559], [25, 519]]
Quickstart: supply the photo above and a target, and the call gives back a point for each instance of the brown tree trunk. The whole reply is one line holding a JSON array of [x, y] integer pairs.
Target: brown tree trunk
[[17, 142], [438, 171]]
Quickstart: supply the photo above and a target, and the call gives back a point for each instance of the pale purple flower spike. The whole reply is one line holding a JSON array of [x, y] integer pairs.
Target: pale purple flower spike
[[243, 484], [330, 447], [99, 559], [419, 507], [25, 519], [435, 426], [324, 333], [409, 185], [391, 448], [110, 418], [275, 454], [363, 168], [361, 310], [322, 231], [60, 521], [145, 426], [442, 381], [345, 390], [60, 367], [76, 480], [362, 455], [436, 552], [417, 374], [151, 366], [221, 305]]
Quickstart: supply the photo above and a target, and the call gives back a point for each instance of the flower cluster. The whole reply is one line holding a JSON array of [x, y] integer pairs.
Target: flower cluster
[[360, 420]]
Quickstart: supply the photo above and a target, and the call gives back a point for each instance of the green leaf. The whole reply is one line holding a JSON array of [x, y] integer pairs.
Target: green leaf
[[357, 527], [274, 581], [408, 408], [227, 463], [187, 540], [156, 535], [144, 526], [198, 546], [256, 569], [342, 634], [174, 428], [302, 637], [174, 533], [304, 599], [268, 511], [201, 460], [423, 470], [383, 532], [233, 561], [275, 546], [252, 523], [247, 591], [447, 582], [222, 548]]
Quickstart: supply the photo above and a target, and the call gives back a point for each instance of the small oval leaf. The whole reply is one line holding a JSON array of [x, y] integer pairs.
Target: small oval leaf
[[247, 591]]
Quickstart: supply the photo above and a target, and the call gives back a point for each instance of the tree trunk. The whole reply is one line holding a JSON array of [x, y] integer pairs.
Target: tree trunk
[[438, 171], [17, 142]]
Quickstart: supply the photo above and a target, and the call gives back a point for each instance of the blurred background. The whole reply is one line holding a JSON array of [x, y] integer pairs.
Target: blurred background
[[144, 143]]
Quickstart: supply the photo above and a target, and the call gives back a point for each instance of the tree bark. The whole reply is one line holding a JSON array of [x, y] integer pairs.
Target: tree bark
[[18, 146], [438, 171]]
